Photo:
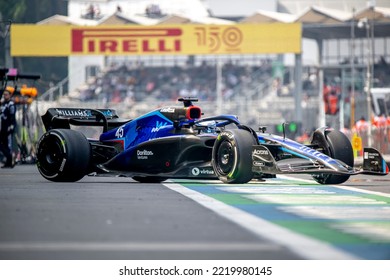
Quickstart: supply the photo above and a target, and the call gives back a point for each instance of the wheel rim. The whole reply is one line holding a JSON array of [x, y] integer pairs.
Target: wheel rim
[[50, 156], [225, 158]]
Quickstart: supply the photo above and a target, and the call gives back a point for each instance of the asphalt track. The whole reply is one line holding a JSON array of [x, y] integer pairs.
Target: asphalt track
[[117, 218]]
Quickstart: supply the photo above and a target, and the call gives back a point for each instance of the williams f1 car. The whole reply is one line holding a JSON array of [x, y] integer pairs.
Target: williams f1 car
[[177, 142]]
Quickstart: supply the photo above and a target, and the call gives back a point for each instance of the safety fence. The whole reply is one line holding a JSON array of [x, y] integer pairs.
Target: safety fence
[[380, 139]]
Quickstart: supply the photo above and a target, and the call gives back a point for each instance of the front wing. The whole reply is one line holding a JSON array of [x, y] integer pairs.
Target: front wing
[[264, 162]]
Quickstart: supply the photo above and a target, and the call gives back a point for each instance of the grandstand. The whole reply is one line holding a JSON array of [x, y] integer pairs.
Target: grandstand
[[261, 89]]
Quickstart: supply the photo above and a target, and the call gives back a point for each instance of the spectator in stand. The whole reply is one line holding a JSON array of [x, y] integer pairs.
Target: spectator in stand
[[167, 83], [153, 10], [91, 12]]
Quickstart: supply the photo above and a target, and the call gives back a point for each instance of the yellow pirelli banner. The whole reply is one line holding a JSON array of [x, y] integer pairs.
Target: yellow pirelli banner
[[49, 40]]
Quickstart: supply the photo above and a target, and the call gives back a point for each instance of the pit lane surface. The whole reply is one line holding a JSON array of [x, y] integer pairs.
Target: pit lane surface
[[118, 218]]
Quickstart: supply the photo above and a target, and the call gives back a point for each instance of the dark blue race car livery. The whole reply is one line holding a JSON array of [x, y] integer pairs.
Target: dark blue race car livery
[[177, 142]]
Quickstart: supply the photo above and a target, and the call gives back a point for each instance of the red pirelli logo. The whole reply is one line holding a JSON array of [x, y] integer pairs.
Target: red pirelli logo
[[126, 40]]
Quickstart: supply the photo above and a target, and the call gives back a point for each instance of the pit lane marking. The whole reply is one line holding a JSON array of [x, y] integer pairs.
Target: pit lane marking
[[370, 231], [377, 230], [348, 188], [304, 246]]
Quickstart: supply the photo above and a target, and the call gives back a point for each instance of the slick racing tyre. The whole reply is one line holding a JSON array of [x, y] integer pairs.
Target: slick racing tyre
[[337, 146], [148, 179], [232, 156], [63, 155]]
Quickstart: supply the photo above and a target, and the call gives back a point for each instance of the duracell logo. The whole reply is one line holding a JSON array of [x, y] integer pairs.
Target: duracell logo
[[126, 40]]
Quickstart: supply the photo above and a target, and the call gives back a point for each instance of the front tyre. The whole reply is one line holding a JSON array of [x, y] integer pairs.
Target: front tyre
[[232, 156], [336, 145], [63, 155]]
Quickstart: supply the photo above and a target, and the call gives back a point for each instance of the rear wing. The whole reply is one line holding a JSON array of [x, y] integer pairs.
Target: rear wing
[[64, 117]]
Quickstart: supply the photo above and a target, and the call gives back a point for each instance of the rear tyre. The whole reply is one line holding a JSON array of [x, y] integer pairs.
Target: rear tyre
[[336, 145], [232, 156], [63, 155]]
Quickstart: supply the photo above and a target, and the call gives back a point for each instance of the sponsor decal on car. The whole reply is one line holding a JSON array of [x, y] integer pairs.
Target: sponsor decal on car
[[227, 134], [167, 110], [316, 153], [74, 113], [258, 163], [158, 126], [144, 154], [107, 113], [201, 171], [261, 153], [370, 155], [62, 165]]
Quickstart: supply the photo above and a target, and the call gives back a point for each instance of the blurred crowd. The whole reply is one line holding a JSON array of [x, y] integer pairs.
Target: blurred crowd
[[129, 82], [380, 133]]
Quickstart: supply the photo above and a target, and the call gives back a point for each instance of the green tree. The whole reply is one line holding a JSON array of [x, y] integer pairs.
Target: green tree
[[12, 10], [31, 11]]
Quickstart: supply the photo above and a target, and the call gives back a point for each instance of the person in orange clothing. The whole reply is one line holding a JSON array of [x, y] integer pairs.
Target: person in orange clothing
[[361, 125], [333, 102], [326, 93], [361, 128], [380, 121]]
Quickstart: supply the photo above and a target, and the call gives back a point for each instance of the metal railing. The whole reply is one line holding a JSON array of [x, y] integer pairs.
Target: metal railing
[[56, 91]]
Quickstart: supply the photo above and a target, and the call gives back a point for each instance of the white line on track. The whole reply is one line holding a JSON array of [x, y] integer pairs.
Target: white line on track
[[305, 247], [134, 246]]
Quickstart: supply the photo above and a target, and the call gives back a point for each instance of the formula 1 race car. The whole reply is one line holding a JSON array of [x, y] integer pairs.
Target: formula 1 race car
[[176, 142]]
